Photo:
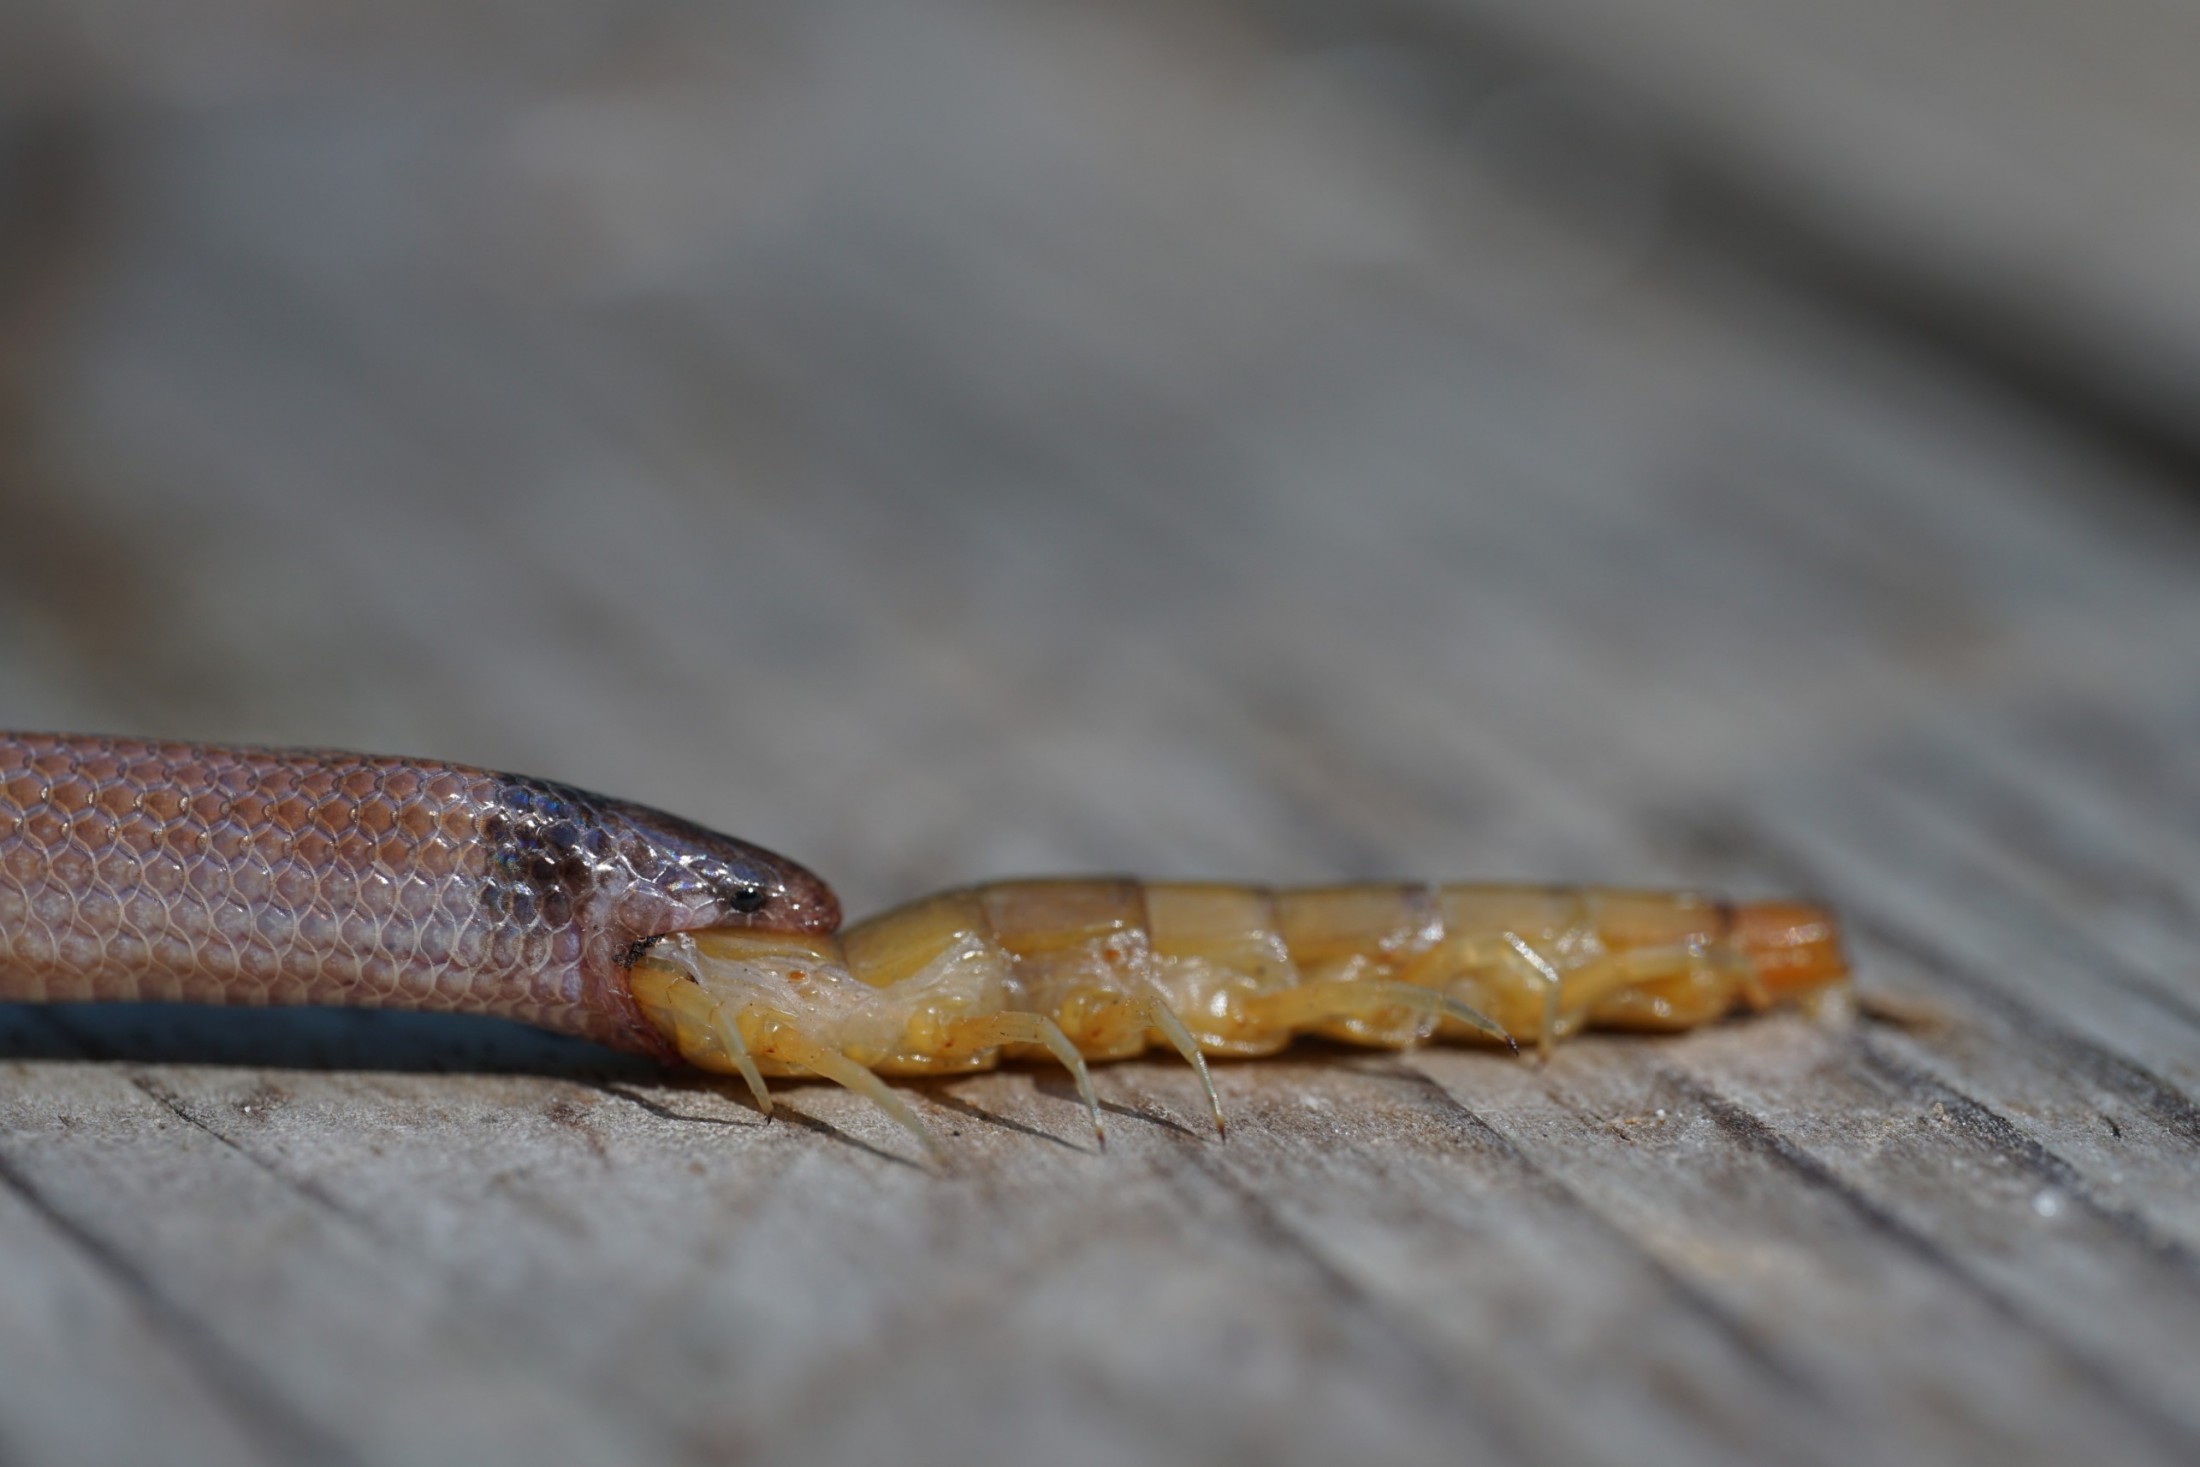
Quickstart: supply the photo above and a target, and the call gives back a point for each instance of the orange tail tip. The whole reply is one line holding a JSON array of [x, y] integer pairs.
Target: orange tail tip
[[1794, 946]]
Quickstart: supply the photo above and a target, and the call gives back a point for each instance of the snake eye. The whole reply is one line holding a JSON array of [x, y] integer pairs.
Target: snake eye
[[742, 896]]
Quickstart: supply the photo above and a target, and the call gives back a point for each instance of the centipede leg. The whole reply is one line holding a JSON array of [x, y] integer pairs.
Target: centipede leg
[[1542, 973], [789, 1044], [1162, 1017], [1311, 1004], [1023, 1028], [737, 1048], [719, 1032]]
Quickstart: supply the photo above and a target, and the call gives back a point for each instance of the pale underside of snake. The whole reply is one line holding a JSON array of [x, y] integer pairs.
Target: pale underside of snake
[[135, 870]]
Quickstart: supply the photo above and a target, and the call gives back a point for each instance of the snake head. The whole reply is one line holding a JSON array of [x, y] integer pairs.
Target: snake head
[[603, 879], [685, 877]]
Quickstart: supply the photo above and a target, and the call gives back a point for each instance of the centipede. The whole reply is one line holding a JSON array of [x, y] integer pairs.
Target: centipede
[[141, 870]]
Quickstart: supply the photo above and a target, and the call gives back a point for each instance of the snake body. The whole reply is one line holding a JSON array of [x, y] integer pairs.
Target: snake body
[[166, 871]]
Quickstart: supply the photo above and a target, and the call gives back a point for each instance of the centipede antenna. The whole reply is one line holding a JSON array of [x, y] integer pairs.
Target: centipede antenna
[[1541, 967], [841, 1070], [1164, 1018]]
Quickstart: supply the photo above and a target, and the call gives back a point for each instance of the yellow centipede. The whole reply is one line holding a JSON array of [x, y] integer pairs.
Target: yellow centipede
[[1103, 969]]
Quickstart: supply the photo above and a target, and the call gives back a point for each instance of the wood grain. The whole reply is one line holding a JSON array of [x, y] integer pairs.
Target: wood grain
[[1281, 443]]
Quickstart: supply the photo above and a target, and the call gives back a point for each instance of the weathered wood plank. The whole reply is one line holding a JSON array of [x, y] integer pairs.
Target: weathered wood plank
[[1024, 440], [98, 1366], [1818, 1270]]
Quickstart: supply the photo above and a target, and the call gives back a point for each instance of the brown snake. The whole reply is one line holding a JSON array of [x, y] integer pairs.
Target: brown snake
[[166, 871]]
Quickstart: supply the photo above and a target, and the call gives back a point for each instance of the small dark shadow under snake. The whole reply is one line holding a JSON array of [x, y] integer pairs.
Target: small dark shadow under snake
[[305, 1039]]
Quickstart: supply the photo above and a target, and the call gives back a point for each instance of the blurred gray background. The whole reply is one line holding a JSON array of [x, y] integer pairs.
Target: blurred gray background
[[1689, 441]]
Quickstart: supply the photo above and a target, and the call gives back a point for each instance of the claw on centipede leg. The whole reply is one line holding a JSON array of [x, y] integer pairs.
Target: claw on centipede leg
[[832, 1065], [1162, 1017]]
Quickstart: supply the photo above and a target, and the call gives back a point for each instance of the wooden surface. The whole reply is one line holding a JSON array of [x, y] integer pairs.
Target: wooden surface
[[1291, 442]]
